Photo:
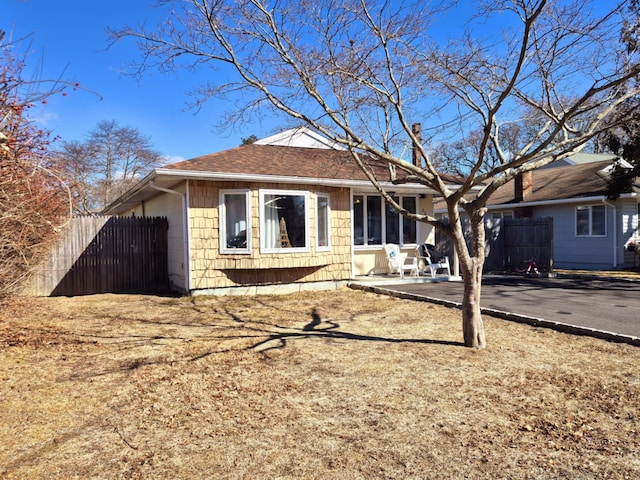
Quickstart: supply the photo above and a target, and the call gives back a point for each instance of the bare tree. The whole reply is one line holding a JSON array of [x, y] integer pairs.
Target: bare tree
[[361, 72], [107, 164], [624, 140], [34, 200]]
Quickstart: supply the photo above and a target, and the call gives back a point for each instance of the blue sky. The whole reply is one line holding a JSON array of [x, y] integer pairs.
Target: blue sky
[[69, 38]]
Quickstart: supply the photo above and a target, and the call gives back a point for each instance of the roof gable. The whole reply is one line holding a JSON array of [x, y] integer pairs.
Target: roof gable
[[300, 137]]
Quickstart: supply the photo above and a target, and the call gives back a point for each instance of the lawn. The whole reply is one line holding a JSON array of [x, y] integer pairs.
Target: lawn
[[327, 385]]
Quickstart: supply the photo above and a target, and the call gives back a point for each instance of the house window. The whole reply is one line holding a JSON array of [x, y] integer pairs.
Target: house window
[[372, 226], [323, 227], [284, 220], [501, 215], [392, 224], [591, 221], [374, 220], [358, 220], [234, 221], [409, 227]]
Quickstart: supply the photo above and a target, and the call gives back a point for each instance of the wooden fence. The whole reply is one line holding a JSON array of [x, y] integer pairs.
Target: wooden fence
[[510, 242], [526, 238], [106, 255]]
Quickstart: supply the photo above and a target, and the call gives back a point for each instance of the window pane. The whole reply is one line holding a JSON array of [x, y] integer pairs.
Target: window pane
[[374, 220], [358, 220], [284, 221], [598, 220], [582, 221], [235, 207], [409, 234], [392, 224], [323, 221]]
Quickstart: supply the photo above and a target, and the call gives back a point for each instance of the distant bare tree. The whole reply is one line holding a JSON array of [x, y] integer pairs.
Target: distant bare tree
[[107, 164], [361, 72], [76, 159]]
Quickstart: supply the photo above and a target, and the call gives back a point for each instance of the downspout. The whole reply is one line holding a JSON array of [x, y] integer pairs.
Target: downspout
[[615, 231], [185, 212], [353, 238]]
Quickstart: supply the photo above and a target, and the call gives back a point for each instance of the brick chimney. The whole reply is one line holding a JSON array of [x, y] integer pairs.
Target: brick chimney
[[523, 186], [416, 129]]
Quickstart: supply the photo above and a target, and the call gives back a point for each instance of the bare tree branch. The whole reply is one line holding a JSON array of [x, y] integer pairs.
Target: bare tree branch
[[527, 82]]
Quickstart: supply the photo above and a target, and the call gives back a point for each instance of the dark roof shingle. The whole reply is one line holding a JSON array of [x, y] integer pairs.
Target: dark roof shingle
[[573, 181], [281, 161], [276, 160]]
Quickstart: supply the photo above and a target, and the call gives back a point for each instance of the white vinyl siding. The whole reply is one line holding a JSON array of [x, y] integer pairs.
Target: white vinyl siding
[[171, 206]]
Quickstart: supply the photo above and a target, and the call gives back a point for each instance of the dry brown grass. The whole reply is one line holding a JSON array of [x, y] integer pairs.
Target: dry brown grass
[[334, 385]]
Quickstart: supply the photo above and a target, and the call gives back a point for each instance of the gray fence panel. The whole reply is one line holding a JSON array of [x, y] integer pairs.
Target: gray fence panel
[[510, 242], [106, 255]]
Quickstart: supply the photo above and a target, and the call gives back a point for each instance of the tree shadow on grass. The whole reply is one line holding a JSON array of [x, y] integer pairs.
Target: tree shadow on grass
[[228, 331], [319, 329]]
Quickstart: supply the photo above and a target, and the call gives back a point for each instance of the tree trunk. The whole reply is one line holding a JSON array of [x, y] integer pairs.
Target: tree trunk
[[472, 263], [472, 324]]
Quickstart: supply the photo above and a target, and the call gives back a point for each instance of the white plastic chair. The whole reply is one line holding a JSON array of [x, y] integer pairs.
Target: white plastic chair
[[397, 264], [425, 255]]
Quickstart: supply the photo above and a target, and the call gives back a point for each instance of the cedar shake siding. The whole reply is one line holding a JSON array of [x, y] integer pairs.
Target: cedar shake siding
[[211, 269]]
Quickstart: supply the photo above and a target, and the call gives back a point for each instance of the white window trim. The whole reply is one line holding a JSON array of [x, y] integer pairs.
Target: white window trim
[[327, 247], [365, 225], [222, 221], [590, 234], [263, 248]]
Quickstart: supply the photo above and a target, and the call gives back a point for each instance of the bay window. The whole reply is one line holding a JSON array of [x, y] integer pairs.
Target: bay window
[[284, 221]]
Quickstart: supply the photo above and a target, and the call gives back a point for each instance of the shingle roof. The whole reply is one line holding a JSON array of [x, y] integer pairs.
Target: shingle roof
[[257, 159], [265, 163], [277, 160], [557, 183], [553, 184]]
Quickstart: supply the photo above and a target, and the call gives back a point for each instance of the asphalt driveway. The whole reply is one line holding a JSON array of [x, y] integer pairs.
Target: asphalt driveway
[[602, 305]]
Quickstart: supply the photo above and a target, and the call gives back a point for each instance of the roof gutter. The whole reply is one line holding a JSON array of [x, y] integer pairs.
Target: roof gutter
[[185, 229], [598, 198], [199, 175], [562, 201], [148, 179]]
